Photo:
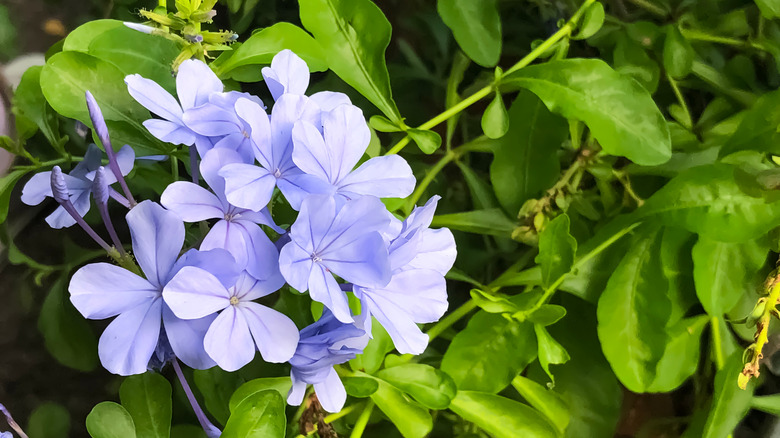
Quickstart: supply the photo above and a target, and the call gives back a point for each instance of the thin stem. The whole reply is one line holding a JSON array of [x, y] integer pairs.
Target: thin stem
[[698, 35], [211, 430], [717, 342], [563, 32], [340, 414], [451, 319], [680, 99], [175, 168], [13, 424], [362, 421], [103, 209], [649, 7], [116, 196], [68, 206]]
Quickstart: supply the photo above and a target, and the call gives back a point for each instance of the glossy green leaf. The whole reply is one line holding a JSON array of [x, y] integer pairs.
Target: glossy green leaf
[[492, 303], [260, 415], [769, 8], [547, 314], [631, 59], [556, 250], [383, 124], [525, 162], [592, 21], [49, 420], [681, 356], [708, 200], [110, 420], [411, 419], [354, 35], [217, 387], [147, 397], [281, 385], [723, 271], [432, 388], [495, 119], [621, 114], [29, 101], [376, 350], [678, 53], [633, 310], [758, 129], [80, 38], [262, 46], [360, 387], [68, 336], [729, 402], [427, 141], [476, 27], [550, 351], [480, 190], [7, 184], [548, 402], [502, 417], [490, 221], [489, 352]]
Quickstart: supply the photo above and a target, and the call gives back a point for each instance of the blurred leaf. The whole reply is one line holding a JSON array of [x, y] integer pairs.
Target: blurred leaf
[[411, 419], [525, 161], [681, 356], [7, 184], [281, 385], [491, 221], [432, 388], [147, 397], [217, 386], [49, 420], [354, 35], [769, 8], [620, 114], [260, 415], [556, 250], [476, 27], [110, 420], [591, 21], [495, 120], [631, 59], [502, 417], [729, 402], [758, 130], [678, 53], [28, 99], [68, 336], [481, 192], [262, 46], [187, 431], [546, 401]]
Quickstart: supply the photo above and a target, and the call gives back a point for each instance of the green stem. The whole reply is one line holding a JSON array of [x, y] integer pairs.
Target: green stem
[[340, 414], [698, 35], [563, 32], [362, 421], [717, 342], [451, 319], [680, 98], [649, 7]]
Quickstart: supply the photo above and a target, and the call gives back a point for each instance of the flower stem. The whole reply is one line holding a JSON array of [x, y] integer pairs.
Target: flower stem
[[649, 7], [211, 430], [451, 319], [362, 421], [13, 424], [717, 342]]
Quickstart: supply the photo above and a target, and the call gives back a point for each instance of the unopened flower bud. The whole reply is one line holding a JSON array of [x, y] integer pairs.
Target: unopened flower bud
[[100, 186], [58, 187]]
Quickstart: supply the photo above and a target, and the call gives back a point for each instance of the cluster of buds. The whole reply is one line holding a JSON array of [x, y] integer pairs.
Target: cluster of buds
[[762, 314], [184, 28]]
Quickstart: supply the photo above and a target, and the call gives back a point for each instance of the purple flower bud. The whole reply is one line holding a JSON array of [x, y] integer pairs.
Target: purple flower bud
[[58, 187], [99, 124], [100, 186]]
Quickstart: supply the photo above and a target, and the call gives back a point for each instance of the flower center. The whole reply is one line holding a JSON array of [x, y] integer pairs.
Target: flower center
[[234, 300], [315, 258], [246, 134], [277, 173]]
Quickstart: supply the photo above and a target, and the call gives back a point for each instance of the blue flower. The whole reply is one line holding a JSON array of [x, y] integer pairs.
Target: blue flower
[[325, 343], [103, 290], [417, 292], [79, 183], [330, 154], [242, 326], [237, 231], [289, 75], [346, 242], [195, 82]]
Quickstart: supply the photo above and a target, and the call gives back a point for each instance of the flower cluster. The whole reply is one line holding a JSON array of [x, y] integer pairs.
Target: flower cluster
[[200, 306]]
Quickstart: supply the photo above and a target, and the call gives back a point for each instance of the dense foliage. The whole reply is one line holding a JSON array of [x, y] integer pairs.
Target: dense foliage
[[609, 171]]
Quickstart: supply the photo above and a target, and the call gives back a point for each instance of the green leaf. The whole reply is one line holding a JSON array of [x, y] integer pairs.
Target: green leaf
[[411, 419], [495, 120], [147, 397], [68, 336], [7, 184], [556, 250], [492, 303], [769, 8], [480, 190], [546, 401], [678, 53], [548, 314], [49, 420], [767, 403], [376, 350], [620, 113], [79, 39], [354, 35], [476, 27], [383, 124], [708, 200], [187, 431], [68, 75], [427, 141], [758, 130], [432, 388], [136, 52], [491, 221], [525, 161], [217, 387], [591, 21], [281, 385], [360, 387], [631, 59], [681, 356], [110, 420], [260, 415], [489, 352], [723, 271], [729, 402], [262, 46], [550, 351], [633, 311], [28, 99], [502, 417]]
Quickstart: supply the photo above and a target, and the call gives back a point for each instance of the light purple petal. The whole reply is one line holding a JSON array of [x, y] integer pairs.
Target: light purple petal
[[436, 251], [383, 177], [275, 335], [288, 74], [125, 157], [311, 154], [296, 266], [191, 202], [170, 132], [186, 339], [356, 219], [347, 135], [157, 235], [128, 342], [323, 288], [194, 293], [262, 256], [298, 390], [421, 217], [364, 261], [102, 290], [297, 187], [81, 202], [248, 186], [262, 217], [212, 120], [153, 97], [195, 82], [331, 392], [239, 143], [216, 261], [230, 237], [229, 341], [289, 109], [328, 100], [260, 128], [213, 161], [37, 188]]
